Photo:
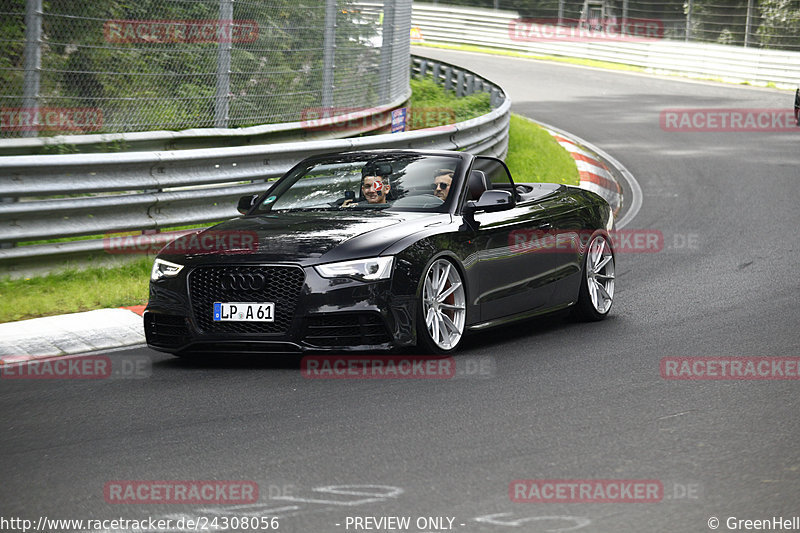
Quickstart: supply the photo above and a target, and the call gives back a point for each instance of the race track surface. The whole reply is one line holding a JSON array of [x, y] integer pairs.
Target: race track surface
[[555, 399]]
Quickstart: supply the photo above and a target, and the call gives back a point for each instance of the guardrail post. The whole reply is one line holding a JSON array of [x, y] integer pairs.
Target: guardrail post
[[222, 101], [423, 68], [8, 200], [436, 72], [33, 62], [328, 57], [448, 79], [470, 78], [460, 84]]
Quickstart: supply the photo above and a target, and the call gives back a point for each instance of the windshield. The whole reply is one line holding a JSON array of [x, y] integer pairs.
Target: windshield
[[408, 182]]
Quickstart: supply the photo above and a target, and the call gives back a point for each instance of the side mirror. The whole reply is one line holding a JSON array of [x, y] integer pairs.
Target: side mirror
[[491, 201], [246, 203]]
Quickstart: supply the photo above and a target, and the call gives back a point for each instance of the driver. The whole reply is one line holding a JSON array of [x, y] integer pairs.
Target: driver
[[441, 183]]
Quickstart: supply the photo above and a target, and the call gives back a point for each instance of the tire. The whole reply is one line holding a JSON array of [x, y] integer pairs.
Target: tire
[[442, 308], [596, 294]]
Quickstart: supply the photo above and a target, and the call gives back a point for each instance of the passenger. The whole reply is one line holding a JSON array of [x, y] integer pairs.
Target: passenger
[[442, 182]]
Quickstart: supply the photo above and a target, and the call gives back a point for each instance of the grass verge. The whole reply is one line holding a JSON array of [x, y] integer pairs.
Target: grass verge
[[533, 156], [431, 105], [71, 291]]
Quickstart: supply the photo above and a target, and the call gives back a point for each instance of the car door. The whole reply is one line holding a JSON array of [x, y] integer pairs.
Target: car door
[[511, 278]]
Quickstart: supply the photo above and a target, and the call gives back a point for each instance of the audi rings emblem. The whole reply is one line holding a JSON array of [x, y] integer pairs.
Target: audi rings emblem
[[238, 281]]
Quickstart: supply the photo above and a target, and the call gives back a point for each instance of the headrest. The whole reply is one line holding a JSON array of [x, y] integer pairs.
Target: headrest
[[477, 184]]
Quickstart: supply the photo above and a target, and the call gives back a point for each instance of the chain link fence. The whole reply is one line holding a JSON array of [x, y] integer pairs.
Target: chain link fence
[[771, 24], [83, 66]]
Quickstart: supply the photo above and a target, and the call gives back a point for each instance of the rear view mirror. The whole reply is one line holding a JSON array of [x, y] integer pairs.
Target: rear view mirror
[[491, 201], [246, 203]]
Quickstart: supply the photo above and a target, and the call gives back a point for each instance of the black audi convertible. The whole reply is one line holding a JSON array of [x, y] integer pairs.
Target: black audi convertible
[[382, 249]]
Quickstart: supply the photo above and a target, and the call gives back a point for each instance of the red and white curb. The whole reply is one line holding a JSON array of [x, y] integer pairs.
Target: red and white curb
[[55, 336], [594, 174]]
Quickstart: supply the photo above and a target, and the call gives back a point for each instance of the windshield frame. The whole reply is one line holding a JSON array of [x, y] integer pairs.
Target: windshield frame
[[285, 182]]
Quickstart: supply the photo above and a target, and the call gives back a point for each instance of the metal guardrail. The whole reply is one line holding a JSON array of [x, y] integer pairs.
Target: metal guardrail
[[154, 190], [447, 24], [368, 121]]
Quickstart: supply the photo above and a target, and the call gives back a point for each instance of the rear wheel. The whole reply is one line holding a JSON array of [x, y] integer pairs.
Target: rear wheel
[[597, 281], [442, 308]]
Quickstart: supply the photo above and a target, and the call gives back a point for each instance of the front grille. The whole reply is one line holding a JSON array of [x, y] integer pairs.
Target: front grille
[[165, 330], [356, 329], [282, 286]]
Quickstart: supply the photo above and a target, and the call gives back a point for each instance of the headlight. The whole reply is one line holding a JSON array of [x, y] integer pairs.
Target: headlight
[[361, 269], [164, 269]]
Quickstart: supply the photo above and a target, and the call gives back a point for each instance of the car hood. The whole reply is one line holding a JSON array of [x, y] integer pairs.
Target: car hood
[[306, 237]]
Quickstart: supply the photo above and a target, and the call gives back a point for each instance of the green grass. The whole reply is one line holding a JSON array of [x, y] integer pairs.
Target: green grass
[[431, 105], [533, 156], [71, 291]]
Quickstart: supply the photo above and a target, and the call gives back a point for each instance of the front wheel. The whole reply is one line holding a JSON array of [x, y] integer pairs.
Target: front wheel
[[442, 308], [597, 281]]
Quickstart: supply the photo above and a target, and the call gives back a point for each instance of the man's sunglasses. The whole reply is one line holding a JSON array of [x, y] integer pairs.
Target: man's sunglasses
[[440, 185]]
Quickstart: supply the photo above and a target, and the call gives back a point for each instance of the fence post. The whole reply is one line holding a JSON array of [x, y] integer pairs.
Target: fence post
[[387, 50], [222, 102], [689, 21], [329, 57], [747, 23], [33, 62], [624, 16]]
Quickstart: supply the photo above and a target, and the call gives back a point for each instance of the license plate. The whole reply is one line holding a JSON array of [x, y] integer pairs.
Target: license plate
[[244, 312]]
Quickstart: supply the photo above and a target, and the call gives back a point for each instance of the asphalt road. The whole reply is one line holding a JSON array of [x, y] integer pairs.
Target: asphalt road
[[557, 399]]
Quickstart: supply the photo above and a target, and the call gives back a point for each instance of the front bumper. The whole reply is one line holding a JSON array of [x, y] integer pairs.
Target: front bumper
[[324, 315]]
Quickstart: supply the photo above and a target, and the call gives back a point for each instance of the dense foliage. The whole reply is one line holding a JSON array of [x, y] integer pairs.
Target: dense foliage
[[153, 84]]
